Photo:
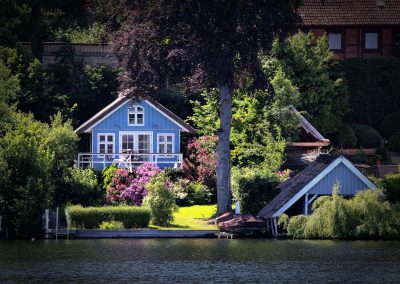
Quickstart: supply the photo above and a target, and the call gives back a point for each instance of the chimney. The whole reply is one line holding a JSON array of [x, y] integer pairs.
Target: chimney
[[380, 3]]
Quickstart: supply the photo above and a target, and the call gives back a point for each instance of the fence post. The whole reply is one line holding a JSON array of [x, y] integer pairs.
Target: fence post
[[46, 223], [57, 224]]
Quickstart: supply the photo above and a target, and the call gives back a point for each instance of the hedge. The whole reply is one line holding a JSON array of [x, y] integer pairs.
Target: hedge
[[374, 86], [367, 136], [394, 142], [346, 138], [390, 124], [92, 217]]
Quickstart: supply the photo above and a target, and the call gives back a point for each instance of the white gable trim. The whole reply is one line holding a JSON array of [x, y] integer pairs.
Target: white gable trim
[[165, 115], [107, 115], [88, 129], [319, 177]]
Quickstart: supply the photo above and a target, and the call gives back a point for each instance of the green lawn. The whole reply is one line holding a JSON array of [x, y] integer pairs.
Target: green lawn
[[192, 218]]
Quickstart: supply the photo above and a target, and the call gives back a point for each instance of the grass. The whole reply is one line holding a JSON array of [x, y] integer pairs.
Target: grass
[[192, 218]]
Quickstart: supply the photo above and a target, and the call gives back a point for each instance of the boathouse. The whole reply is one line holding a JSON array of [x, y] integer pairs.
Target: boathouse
[[129, 132], [298, 193]]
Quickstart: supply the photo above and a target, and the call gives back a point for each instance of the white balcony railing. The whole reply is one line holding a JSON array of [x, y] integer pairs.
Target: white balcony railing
[[127, 160]]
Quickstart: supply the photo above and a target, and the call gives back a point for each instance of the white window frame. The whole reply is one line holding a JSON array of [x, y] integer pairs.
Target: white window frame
[[165, 142], [135, 112], [136, 139], [340, 42], [105, 143], [377, 41]]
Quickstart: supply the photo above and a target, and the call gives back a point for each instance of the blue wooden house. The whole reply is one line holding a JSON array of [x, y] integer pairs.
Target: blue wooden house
[[298, 193], [129, 132]]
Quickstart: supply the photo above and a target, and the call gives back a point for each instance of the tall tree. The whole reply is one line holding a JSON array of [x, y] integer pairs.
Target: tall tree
[[199, 45]]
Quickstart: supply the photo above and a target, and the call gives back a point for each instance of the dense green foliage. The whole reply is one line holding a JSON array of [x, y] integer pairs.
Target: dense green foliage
[[374, 86], [92, 217], [394, 141], [364, 216], [253, 188], [346, 137], [161, 201], [189, 192], [367, 136], [390, 124], [391, 186], [81, 186], [309, 65], [69, 87]]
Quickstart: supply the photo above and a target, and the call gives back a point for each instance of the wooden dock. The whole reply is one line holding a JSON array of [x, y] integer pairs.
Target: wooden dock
[[140, 233]]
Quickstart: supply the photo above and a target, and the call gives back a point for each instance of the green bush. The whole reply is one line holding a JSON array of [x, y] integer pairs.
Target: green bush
[[391, 186], [253, 188], [191, 192], [367, 136], [390, 124], [161, 201], [364, 216], [107, 175], [394, 142], [81, 187], [346, 138], [111, 225], [92, 217], [374, 86]]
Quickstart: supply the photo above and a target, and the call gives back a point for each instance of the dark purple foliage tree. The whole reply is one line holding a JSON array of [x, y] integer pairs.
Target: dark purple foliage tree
[[196, 45]]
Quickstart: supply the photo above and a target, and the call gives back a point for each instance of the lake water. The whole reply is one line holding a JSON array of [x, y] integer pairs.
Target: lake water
[[199, 260]]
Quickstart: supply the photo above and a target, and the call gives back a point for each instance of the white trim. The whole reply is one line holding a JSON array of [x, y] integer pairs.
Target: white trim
[[135, 139], [319, 177], [173, 120], [136, 113], [165, 142], [88, 129], [98, 143]]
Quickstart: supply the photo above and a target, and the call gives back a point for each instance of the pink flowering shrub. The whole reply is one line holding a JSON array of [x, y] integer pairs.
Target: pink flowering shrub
[[120, 181], [137, 190], [131, 189], [201, 162]]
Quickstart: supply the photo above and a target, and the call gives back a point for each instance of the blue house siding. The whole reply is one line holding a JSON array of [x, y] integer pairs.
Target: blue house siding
[[153, 120], [348, 181], [116, 123]]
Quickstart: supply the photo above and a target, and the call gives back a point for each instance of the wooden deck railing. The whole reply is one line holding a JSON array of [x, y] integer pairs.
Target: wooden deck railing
[[128, 160]]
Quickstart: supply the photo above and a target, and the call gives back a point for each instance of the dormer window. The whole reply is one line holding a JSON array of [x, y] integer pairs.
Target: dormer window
[[136, 116]]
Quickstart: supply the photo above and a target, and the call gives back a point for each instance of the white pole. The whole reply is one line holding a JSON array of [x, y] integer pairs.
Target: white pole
[[57, 224]]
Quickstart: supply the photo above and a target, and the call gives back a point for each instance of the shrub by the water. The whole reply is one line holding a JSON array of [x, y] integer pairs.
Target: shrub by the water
[[161, 201], [394, 141], [92, 217], [253, 188], [346, 137], [391, 186], [367, 136], [111, 225], [390, 124], [364, 216], [191, 192]]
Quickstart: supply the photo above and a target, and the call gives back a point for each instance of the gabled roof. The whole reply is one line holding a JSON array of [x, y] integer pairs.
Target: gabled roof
[[294, 188], [315, 138], [349, 12], [120, 101]]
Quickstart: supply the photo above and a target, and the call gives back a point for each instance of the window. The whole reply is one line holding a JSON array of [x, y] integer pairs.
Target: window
[[165, 143], [135, 115], [371, 40], [335, 41], [105, 143]]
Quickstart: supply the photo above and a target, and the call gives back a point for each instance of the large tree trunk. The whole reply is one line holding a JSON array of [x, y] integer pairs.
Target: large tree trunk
[[223, 152]]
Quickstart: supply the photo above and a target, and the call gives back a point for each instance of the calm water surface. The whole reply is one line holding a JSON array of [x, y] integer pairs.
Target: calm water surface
[[199, 260]]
